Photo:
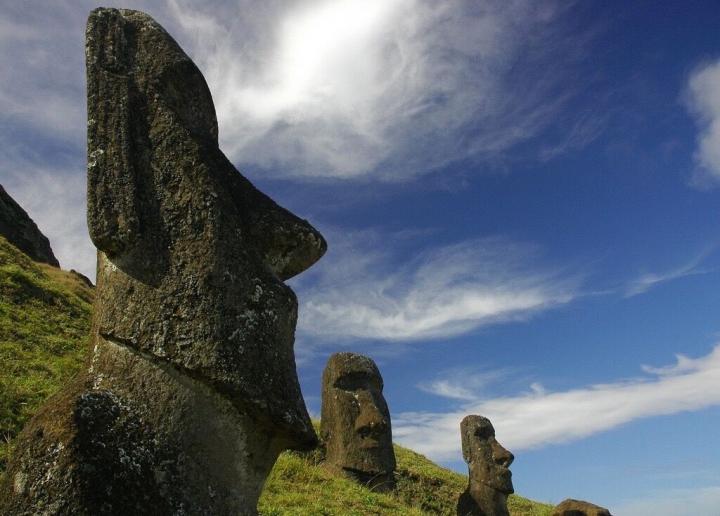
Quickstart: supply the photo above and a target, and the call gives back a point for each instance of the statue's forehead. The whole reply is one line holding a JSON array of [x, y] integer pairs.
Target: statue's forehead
[[477, 428]]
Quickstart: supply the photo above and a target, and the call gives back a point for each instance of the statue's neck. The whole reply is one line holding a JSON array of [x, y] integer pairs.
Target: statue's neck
[[491, 502], [219, 445]]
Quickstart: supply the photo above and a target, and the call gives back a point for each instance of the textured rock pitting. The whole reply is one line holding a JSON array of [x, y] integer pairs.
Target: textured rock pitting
[[355, 421], [190, 392], [490, 479]]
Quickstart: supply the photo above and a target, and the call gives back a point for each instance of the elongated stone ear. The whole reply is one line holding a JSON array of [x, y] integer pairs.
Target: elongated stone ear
[[113, 204]]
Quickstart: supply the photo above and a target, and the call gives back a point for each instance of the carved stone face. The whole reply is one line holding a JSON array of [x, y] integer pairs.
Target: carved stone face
[[489, 462], [192, 257], [355, 421]]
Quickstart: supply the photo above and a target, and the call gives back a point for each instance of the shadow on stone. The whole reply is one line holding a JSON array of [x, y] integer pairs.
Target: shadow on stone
[[355, 421], [490, 479], [190, 391]]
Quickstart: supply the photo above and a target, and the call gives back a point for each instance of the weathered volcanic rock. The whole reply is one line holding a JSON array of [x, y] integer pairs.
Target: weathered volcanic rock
[[20, 230], [572, 507], [355, 421], [490, 479], [190, 392]]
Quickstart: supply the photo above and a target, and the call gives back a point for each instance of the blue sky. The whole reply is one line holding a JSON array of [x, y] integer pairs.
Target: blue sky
[[520, 200]]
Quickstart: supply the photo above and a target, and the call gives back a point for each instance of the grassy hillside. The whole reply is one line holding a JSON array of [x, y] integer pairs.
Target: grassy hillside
[[44, 324], [300, 485], [44, 321]]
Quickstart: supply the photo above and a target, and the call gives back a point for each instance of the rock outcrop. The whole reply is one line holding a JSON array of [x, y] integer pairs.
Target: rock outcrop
[[22, 232], [490, 479], [572, 507], [355, 421], [190, 391]]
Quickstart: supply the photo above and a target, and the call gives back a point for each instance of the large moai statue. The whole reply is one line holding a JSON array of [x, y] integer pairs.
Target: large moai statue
[[355, 421], [190, 391], [490, 480]]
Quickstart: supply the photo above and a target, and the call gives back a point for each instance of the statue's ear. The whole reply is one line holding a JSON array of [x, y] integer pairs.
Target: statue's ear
[[113, 211]]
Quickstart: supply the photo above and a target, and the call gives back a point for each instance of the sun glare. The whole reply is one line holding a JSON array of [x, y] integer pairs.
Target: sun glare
[[321, 50]]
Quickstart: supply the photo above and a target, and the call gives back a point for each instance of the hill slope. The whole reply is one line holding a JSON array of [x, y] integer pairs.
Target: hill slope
[[44, 323], [22, 232], [299, 485]]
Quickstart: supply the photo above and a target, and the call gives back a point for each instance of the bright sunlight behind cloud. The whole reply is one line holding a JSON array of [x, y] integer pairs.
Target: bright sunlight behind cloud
[[541, 418], [385, 88]]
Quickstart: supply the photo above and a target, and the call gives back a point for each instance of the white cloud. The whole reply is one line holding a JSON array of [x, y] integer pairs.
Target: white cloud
[[365, 288], [649, 280], [540, 418], [704, 102], [55, 199], [462, 383], [383, 88], [699, 501]]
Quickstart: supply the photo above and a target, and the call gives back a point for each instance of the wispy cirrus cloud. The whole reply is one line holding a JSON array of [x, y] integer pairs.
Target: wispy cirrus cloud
[[541, 418], [365, 288], [701, 501], [387, 89], [703, 100], [462, 383], [646, 281]]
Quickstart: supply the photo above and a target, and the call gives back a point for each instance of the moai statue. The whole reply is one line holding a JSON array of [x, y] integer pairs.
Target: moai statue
[[490, 480], [355, 421], [571, 507], [190, 390]]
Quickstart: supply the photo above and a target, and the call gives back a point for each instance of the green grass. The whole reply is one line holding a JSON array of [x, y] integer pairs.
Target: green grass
[[44, 325], [300, 485]]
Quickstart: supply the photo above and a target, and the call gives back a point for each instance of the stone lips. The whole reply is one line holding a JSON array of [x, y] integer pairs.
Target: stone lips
[[22, 232], [355, 421]]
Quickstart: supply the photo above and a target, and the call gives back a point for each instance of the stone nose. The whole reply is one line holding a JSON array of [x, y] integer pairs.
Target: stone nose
[[500, 455], [370, 421]]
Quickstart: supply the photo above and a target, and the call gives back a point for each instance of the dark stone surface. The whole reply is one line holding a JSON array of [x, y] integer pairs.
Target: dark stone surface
[[490, 479], [572, 507], [355, 421], [191, 390], [20, 230]]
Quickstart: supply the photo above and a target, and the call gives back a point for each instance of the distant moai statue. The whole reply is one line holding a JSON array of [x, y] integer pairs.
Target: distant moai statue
[[490, 479], [571, 507], [355, 421], [190, 390]]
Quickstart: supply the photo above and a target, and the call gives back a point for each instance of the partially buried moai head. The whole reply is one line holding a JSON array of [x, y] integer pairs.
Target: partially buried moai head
[[191, 256], [488, 461], [355, 424]]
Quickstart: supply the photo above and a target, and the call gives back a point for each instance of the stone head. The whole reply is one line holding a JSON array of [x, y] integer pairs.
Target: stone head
[[192, 258], [355, 421], [488, 461]]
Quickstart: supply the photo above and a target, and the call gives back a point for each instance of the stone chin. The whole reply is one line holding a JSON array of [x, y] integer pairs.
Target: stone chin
[[501, 480]]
